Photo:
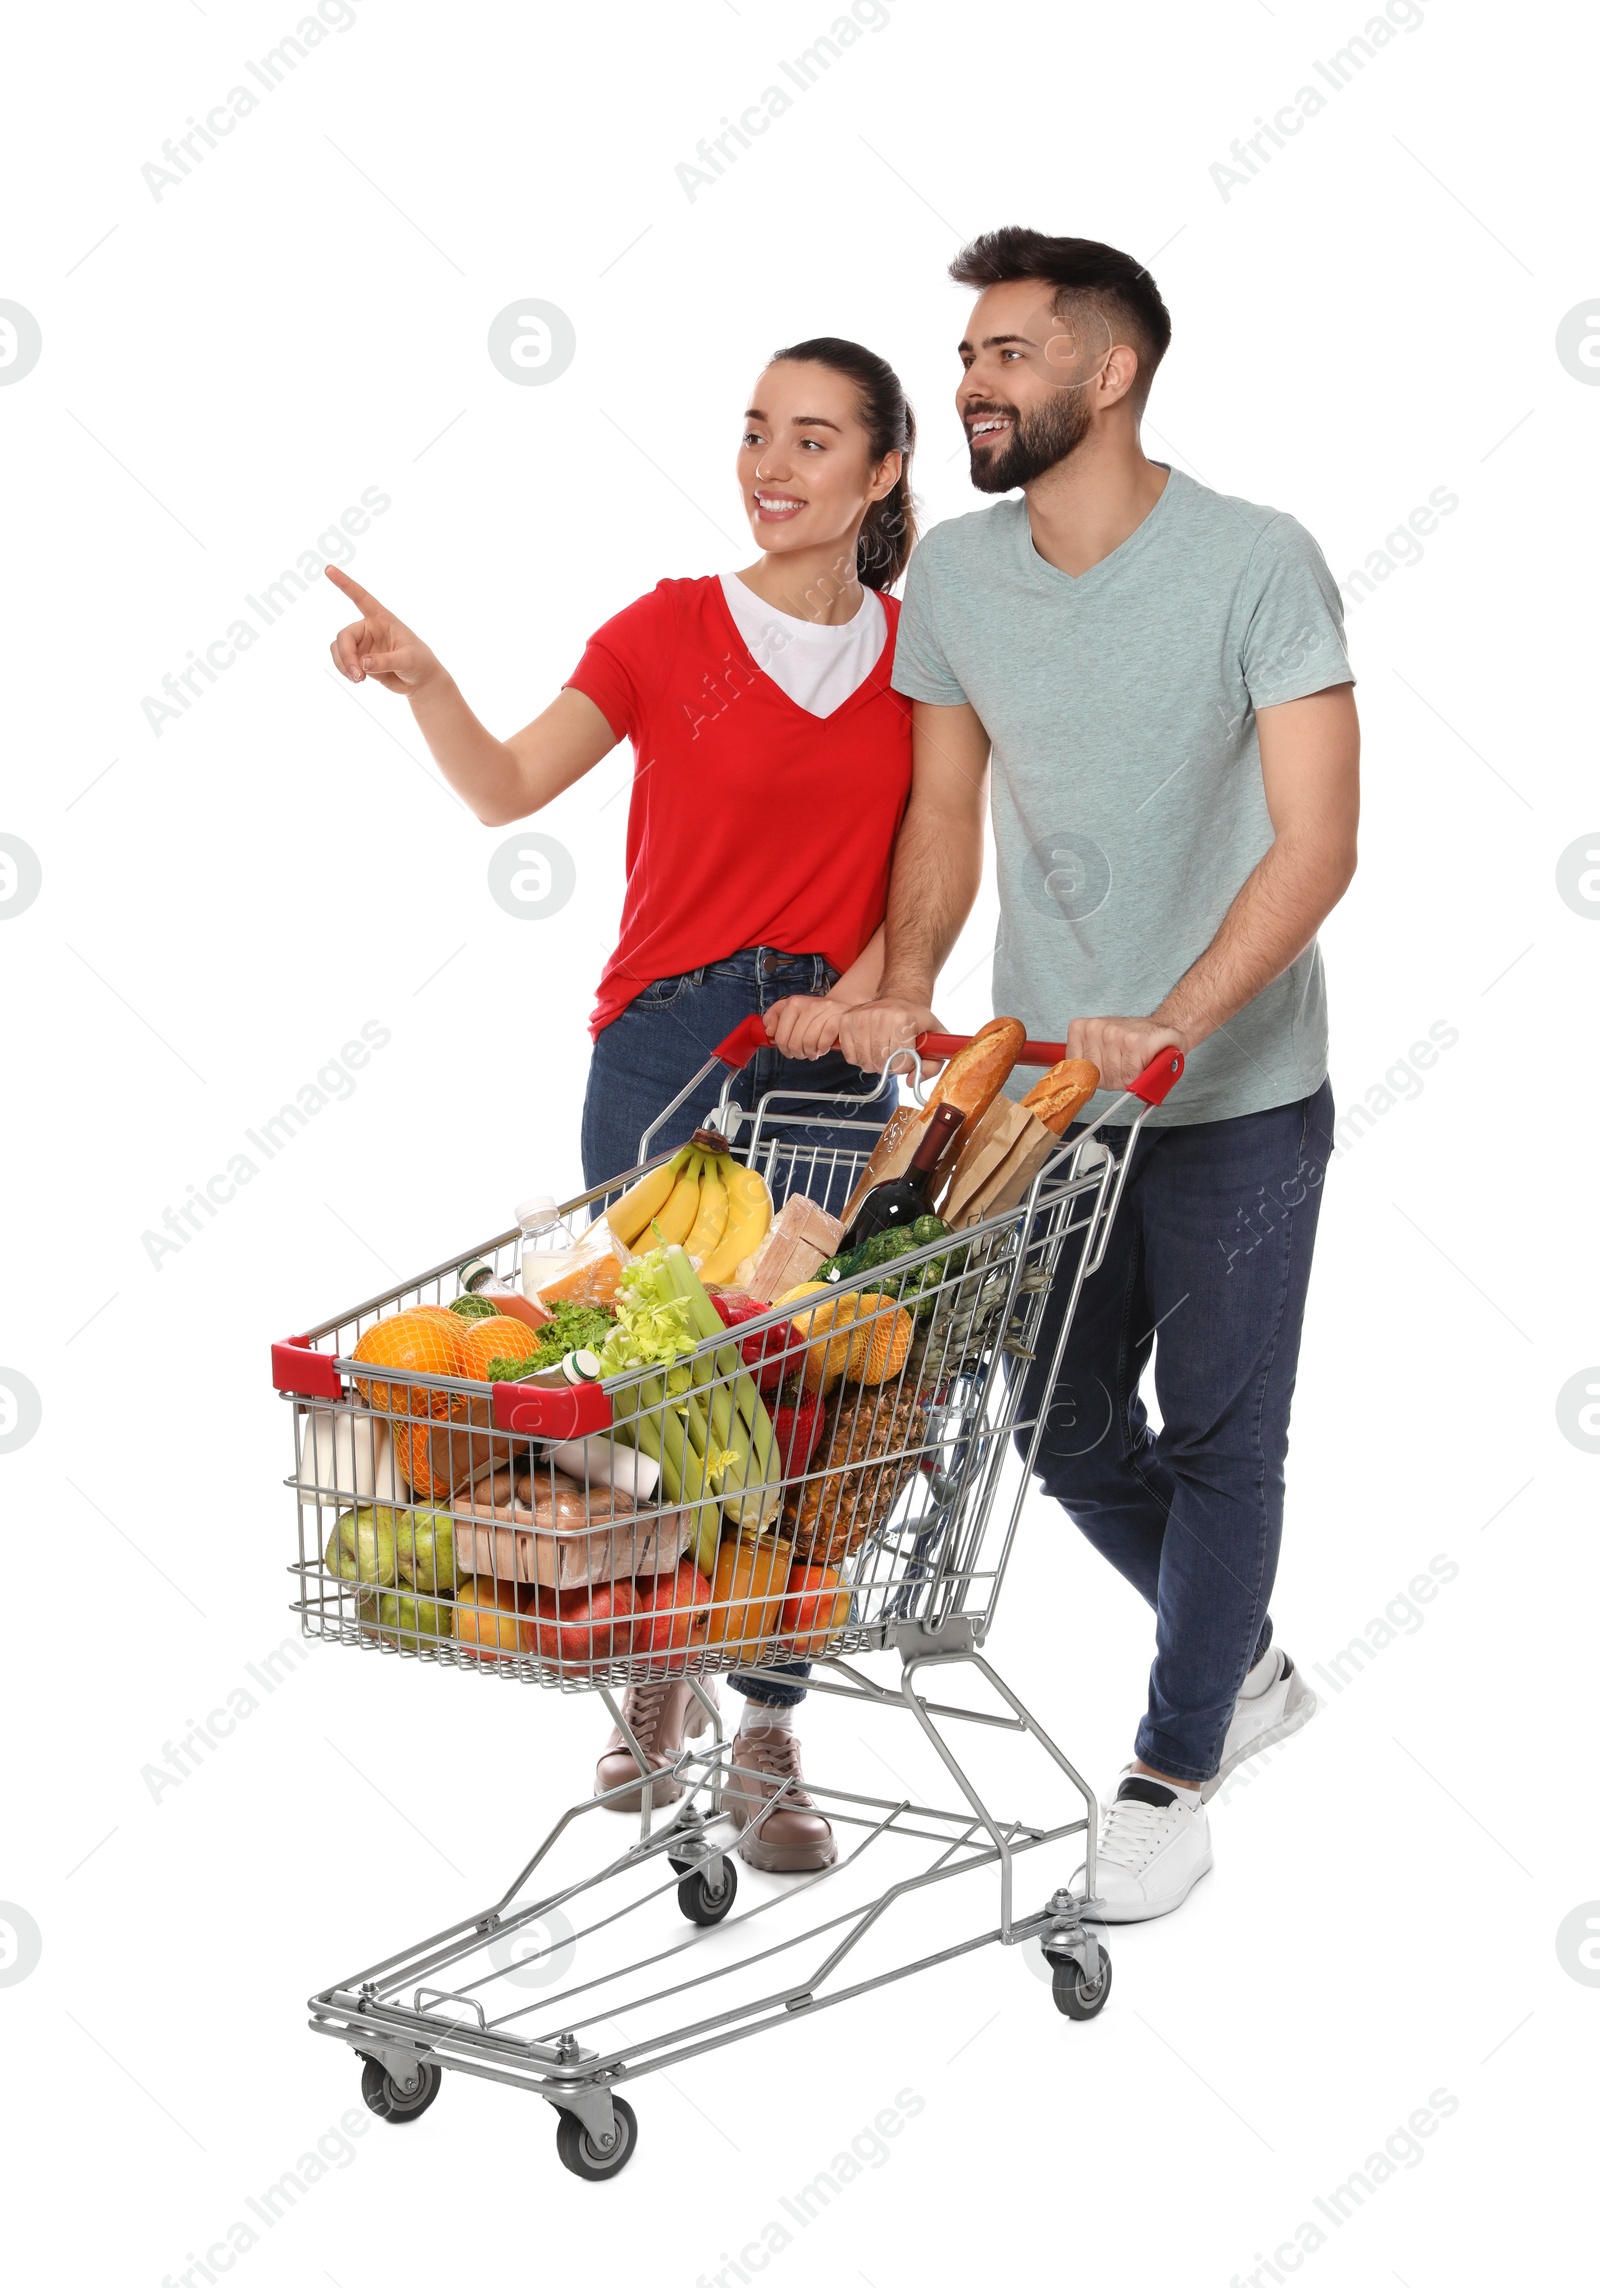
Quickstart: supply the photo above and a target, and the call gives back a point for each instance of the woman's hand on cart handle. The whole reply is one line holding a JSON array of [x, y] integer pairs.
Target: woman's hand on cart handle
[[1122, 1047], [804, 1026], [378, 648]]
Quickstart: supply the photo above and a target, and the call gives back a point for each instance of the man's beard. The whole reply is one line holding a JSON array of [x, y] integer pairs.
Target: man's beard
[[1038, 440]]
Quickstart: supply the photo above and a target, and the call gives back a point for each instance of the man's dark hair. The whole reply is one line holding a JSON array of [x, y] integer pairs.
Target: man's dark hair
[[1082, 272]]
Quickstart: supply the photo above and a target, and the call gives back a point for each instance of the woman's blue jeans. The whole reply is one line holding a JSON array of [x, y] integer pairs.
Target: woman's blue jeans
[[656, 1046]]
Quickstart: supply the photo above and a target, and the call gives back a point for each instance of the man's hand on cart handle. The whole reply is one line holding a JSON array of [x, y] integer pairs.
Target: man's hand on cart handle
[[870, 1033], [378, 648], [1123, 1047]]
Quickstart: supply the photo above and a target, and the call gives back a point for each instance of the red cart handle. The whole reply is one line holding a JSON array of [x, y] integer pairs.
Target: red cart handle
[[305, 1372], [742, 1043], [1152, 1086], [537, 1412]]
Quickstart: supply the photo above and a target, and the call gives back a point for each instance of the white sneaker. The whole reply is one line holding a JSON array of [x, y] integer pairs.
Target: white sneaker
[[1155, 1844], [1273, 1701]]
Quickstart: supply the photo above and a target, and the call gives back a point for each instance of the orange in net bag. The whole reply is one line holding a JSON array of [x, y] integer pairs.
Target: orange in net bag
[[425, 1340]]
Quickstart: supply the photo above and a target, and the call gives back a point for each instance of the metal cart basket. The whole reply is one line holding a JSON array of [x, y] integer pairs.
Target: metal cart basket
[[466, 1524]]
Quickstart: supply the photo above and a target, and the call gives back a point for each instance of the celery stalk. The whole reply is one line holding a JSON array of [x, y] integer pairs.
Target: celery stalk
[[739, 1421]]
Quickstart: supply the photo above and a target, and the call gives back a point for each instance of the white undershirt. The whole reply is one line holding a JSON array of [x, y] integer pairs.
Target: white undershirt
[[816, 665]]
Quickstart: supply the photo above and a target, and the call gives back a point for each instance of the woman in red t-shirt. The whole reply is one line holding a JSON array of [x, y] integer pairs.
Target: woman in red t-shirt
[[772, 766]]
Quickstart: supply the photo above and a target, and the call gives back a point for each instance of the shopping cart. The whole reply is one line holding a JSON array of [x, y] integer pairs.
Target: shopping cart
[[902, 1499]]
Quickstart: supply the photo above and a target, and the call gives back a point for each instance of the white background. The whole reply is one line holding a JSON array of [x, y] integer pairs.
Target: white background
[[224, 370]]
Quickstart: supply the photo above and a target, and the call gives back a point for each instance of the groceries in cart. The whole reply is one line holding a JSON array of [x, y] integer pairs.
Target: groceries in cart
[[677, 1435], [621, 1455]]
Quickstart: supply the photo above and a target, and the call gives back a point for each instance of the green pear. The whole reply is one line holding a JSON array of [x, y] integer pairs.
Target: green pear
[[361, 1547], [425, 1551], [411, 1618]]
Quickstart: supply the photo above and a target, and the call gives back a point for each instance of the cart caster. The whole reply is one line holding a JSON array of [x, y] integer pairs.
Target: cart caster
[[583, 2156], [1075, 1995], [701, 1900], [384, 2096]]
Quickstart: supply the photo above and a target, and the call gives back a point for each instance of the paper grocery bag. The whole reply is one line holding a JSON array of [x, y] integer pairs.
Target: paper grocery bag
[[1006, 1151], [892, 1155]]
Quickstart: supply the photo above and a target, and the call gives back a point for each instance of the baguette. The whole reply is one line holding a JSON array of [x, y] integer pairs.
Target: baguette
[[976, 1074], [1061, 1095]]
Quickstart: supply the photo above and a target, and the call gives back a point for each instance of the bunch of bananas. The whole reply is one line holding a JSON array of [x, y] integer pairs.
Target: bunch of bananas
[[701, 1200]]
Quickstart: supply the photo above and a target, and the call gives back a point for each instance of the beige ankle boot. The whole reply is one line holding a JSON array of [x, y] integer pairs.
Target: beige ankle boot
[[792, 1838], [661, 1716]]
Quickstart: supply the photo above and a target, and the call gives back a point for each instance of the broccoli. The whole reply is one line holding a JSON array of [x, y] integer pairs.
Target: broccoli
[[845, 1266], [572, 1327], [883, 1248]]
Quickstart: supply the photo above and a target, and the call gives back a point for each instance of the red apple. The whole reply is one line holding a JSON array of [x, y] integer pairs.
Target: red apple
[[815, 1608], [578, 1628], [671, 1609]]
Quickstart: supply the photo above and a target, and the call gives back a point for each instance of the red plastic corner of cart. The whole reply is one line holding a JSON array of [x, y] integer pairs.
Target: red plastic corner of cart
[[307, 1373], [575, 1412], [1160, 1076], [742, 1043]]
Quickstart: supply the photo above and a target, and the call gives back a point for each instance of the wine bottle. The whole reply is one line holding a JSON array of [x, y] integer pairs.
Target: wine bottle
[[904, 1198]]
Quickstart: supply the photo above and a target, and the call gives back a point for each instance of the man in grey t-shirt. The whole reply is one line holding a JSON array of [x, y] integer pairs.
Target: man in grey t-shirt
[[1150, 680]]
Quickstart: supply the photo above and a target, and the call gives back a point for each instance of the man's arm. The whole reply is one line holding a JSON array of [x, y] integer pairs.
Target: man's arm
[[938, 865], [1310, 773]]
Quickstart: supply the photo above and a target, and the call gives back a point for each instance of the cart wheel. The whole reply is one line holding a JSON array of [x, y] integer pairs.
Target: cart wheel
[[703, 1904], [385, 2097], [583, 2156], [1075, 1995]]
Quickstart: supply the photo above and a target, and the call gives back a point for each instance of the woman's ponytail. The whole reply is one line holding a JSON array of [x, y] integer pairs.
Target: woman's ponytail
[[890, 530]]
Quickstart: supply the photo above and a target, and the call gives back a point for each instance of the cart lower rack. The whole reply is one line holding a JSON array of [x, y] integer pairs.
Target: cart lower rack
[[529, 1533]]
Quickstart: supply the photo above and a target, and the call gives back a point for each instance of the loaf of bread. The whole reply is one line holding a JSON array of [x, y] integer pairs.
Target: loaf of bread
[[976, 1074], [1061, 1095], [801, 1238]]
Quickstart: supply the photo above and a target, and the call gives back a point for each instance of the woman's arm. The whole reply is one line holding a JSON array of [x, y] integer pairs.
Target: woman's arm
[[807, 1024], [498, 779]]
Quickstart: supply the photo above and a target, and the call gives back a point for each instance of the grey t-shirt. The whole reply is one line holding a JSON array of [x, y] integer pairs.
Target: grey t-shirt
[[1126, 781]]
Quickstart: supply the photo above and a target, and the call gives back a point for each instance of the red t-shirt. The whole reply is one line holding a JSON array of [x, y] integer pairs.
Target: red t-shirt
[[752, 823]]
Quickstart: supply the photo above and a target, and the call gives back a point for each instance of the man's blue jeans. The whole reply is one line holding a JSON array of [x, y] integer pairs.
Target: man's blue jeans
[[1207, 1266], [659, 1043]]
